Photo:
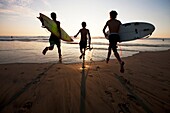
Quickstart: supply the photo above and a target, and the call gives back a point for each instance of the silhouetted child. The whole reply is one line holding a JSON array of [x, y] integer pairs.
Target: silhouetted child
[[54, 39], [83, 41], [113, 24]]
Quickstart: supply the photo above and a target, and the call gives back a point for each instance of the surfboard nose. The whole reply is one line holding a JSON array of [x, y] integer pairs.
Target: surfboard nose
[[72, 40]]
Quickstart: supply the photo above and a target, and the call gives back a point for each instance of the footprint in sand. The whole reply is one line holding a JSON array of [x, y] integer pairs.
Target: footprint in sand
[[27, 105], [164, 89], [129, 71], [97, 68], [109, 93], [25, 108], [58, 68], [133, 98], [90, 75], [22, 73], [123, 108]]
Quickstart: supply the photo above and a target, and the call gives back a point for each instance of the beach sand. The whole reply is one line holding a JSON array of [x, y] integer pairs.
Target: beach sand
[[99, 88]]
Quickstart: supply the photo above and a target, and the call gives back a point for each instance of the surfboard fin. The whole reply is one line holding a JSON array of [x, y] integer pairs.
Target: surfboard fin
[[147, 36], [43, 26]]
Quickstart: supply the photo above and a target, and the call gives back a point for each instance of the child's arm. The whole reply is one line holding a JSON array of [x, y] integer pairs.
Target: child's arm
[[77, 34], [104, 30], [89, 38], [60, 32], [59, 29]]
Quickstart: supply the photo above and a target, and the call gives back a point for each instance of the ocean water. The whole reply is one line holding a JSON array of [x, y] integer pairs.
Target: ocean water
[[28, 49]]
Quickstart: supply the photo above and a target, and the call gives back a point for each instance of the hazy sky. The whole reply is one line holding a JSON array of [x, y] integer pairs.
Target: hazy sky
[[18, 17]]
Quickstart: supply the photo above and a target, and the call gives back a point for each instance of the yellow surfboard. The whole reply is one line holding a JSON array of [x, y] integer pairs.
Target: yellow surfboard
[[51, 26]]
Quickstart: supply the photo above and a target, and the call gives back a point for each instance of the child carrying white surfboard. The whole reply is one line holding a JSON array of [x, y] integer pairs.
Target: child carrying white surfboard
[[113, 24]]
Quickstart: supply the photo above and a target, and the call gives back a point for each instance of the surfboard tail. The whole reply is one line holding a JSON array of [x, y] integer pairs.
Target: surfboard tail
[[42, 21]]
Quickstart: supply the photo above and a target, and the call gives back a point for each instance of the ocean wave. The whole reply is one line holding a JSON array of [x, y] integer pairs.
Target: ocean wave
[[24, 38], [146, 45], [150, 42]]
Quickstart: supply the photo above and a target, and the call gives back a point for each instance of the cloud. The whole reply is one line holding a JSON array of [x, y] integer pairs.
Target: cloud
[[24, 7], [16, 2], [46, 3], [16, 7]]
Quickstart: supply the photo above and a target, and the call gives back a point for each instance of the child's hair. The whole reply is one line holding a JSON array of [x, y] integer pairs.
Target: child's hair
[[83, 24], [113, 14], [53, 15]]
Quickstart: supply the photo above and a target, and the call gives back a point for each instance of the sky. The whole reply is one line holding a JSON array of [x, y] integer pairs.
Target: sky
[[18, 17]]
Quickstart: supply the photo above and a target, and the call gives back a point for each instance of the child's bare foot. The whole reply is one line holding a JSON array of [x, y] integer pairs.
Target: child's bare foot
[[81, 55], [107, 60], [45, 50], [122, 67], [60, 60]]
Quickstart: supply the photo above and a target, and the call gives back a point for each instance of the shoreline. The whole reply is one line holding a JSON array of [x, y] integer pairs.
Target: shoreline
[[72, 63], [99, 88], [31, 51]]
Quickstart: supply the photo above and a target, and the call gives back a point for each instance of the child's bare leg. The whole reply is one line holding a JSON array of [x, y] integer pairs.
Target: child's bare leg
[[45, 50], [59, 51], [120, 61], [84, 51], [108, 55]]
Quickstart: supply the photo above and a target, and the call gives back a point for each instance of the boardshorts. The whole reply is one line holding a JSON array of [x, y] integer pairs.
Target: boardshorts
[[83, 44], [54, 40], [113, 39]]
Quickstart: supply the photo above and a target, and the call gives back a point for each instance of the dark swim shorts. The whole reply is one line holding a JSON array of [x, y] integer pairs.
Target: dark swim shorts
[[113, 39], [83, 44]]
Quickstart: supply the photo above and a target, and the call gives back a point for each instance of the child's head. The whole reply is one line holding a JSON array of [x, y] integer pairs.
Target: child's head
[[83, 24], [113, 14], [53, 16]]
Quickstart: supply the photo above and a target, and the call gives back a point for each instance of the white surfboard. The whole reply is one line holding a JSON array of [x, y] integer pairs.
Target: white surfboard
[[135, 30]]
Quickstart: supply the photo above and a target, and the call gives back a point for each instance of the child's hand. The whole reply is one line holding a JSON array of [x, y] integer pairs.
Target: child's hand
[[105, 35], [75, 36], [43, 26]]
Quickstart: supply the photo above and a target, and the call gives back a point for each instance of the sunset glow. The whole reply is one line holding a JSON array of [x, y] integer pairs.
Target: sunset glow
[[18, 17]]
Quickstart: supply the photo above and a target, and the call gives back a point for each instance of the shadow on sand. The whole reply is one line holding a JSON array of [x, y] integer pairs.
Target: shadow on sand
[[83, 88], [85, 71]]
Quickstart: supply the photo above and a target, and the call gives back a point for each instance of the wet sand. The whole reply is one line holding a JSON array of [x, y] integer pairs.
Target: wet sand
[[98, 88]]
